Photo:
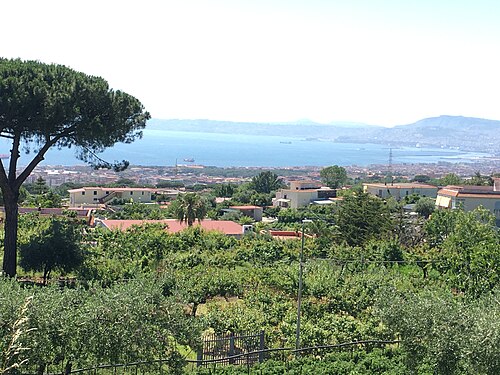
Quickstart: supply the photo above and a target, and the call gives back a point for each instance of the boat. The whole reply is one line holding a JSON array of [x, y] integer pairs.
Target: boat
[[286, 142], [190, 160]]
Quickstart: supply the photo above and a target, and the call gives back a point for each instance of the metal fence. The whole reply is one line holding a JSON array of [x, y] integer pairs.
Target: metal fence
[[232, 349], [248, 358]]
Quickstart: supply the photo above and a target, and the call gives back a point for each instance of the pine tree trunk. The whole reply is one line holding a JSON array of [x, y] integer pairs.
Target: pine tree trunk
[[10, 240]]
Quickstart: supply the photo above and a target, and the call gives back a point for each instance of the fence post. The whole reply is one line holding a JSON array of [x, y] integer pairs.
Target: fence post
[[67, 369], [231, 348], [261, 347], [199, 357]]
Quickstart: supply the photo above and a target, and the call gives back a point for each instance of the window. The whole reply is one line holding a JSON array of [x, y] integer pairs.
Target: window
[[95, 192], [107, 192], [142, 193], [131, 193], [83, 193]]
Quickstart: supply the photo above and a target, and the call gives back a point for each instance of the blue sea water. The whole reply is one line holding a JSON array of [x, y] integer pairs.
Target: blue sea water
[[165, 148]]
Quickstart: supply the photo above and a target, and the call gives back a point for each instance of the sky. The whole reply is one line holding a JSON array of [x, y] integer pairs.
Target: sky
[[381, 62]]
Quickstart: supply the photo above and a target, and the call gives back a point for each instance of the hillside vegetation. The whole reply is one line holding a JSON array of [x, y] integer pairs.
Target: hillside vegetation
[[370, 274]]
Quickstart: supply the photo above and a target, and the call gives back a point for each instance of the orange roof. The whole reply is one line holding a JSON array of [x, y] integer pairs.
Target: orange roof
[[470, 191], [450, 193], [245, 207], [483, 196], [174, 226]]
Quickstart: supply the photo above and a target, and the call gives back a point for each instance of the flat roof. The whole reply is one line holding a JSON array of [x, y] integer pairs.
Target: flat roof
[[400, 185], [109, 189]]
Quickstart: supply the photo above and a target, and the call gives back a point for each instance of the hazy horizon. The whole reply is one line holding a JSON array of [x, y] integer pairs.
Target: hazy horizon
[[332, 122]]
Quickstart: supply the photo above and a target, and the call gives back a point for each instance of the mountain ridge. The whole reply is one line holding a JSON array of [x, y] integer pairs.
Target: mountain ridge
[[467, 133]]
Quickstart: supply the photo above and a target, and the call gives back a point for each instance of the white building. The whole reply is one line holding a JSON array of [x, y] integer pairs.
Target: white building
[[93, 196], [400, 190], [302, 194]]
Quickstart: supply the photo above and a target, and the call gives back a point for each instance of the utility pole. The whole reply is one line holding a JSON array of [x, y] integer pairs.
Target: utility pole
[[299, 295]]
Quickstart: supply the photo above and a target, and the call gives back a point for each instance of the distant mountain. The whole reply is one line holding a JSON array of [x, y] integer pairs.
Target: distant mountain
[[299, 129], [467, 133]]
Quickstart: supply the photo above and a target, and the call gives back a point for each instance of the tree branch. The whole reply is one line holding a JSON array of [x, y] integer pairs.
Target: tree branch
[[4, 182], [14, 157], [101, 163], [35, 161], [6, 135]]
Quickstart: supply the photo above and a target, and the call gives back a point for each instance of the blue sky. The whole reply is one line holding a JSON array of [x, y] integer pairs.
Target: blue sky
[[375, 61]]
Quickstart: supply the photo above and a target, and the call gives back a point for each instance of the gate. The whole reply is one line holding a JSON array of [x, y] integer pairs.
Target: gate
[[230, 349]]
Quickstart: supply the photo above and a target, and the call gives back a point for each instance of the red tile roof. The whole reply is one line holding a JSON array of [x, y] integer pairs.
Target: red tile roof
[[469, 191], [174, 226], [245, 207]]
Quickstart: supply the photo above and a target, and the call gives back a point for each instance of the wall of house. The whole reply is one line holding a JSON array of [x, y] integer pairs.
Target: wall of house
[[399, 193], [137, 196], [81, 198], [91, 196], [470, 204], [303, 185], [257, 214], [301, 198]]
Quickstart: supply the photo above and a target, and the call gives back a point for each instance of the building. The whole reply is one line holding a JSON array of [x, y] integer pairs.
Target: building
[[255, 212], [400, 190], [93, 196], [470, 197], [304, 193], [229, 228]]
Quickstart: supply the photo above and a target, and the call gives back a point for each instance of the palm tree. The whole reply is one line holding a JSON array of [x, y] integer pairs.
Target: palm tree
[[189, 207]]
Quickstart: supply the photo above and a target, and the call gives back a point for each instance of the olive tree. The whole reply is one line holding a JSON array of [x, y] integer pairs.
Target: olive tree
[[56, 246], [48, 105]]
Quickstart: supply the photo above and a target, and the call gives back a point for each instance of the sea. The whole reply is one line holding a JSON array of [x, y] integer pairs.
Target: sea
[[168, 148]]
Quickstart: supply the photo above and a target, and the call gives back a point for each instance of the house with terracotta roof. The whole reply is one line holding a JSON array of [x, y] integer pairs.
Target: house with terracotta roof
[[303, 193], [400, 190], [470, 197], [229, 228]]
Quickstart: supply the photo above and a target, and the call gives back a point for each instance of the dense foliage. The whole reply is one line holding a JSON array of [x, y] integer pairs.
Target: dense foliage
[[333, 176], [56, 245], [86, 326], [371, 273]]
